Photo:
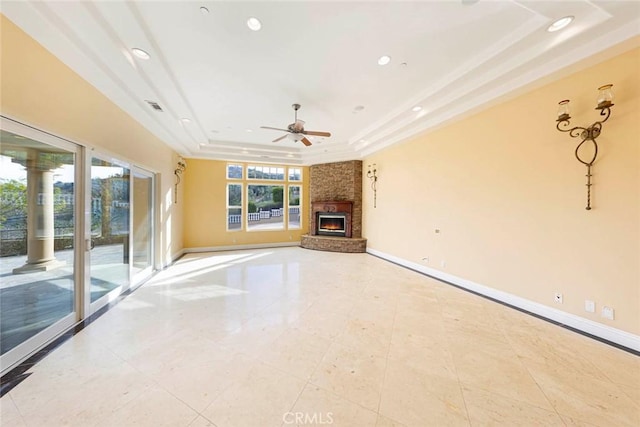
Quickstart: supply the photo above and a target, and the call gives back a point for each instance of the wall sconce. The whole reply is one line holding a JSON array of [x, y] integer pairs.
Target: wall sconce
[[372, 175], [182, 166], [605, 98]]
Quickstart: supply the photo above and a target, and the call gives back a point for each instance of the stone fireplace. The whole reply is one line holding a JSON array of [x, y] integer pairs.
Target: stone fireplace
[[335, 214]]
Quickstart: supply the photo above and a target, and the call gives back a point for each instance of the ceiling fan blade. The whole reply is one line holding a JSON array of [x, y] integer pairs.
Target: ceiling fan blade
[[267, 127], [305, 141], [316, 133], [281, 138]]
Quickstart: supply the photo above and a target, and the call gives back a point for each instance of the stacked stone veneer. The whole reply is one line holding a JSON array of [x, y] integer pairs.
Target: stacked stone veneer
[[341, 181]]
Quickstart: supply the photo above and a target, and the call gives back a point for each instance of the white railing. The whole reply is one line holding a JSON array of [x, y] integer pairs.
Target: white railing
[[257, 216]]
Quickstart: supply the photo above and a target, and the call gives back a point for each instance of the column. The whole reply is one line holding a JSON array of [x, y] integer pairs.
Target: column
[[40, 232]]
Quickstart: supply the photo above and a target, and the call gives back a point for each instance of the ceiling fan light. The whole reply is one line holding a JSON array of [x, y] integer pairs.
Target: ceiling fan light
[[254, 24]]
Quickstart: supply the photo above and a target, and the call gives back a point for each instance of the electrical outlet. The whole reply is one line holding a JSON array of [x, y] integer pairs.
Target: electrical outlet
[[589, 306], [607, 312], [558, 298]]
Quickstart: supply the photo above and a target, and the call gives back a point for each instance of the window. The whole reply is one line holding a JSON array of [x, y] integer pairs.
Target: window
[[234, 207], [234, 171], [294, 205], [265, 207], [254, 202], [295, 174], [265, 172]]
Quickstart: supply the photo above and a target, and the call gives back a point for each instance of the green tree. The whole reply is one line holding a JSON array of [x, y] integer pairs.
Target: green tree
[[277, 195], [294, 195], [235, 195], [13, 201]]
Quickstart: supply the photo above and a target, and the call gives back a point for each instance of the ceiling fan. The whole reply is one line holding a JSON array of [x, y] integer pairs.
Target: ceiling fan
[[296, 130]]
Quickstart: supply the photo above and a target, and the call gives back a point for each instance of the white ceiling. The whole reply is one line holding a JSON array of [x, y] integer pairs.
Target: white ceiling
[[450, 57]]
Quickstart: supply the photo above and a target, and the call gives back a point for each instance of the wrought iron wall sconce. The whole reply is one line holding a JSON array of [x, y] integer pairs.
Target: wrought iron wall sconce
[[605, 98], [182, 166], [372, 175]]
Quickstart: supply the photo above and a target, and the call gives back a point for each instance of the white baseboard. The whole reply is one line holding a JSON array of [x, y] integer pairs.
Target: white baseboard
[[599, 330], [176, 256], [240, 247]]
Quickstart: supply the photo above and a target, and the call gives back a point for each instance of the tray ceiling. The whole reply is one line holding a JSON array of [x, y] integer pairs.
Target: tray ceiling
[[217, 81]]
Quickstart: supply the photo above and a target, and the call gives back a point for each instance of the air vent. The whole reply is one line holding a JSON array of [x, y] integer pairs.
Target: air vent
[[154, 105]]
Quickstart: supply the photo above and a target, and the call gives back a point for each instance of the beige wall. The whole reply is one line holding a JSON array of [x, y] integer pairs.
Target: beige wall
[[508, 196], [205, 212], [39, 90]]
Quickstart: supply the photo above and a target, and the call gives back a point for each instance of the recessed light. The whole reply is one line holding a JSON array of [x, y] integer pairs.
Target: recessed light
[[289, 155], [139, 53], [416, 108], [254, 24], [384, 60], [204, 10], [362, 140], [185, 120], [249, 130], [560, 24]]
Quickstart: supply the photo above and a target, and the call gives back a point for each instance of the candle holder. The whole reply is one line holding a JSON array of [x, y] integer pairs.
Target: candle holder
[[588, 134], [182, 166], [372, 175]]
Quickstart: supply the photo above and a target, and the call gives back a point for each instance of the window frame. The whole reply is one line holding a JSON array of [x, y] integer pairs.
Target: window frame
[[267, 183], [289, 169], [229, 165], [278, 170], [299, 206], [228, 207]]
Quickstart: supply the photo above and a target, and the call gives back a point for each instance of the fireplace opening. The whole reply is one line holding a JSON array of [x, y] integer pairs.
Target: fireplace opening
[[333, 224]]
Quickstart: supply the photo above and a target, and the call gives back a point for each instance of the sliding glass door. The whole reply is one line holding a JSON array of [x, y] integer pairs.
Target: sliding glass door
[[109, 206], [76, 230], [143, 215], [39, 194]]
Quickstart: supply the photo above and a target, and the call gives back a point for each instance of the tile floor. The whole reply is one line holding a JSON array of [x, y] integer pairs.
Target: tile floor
[[288, 336]]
